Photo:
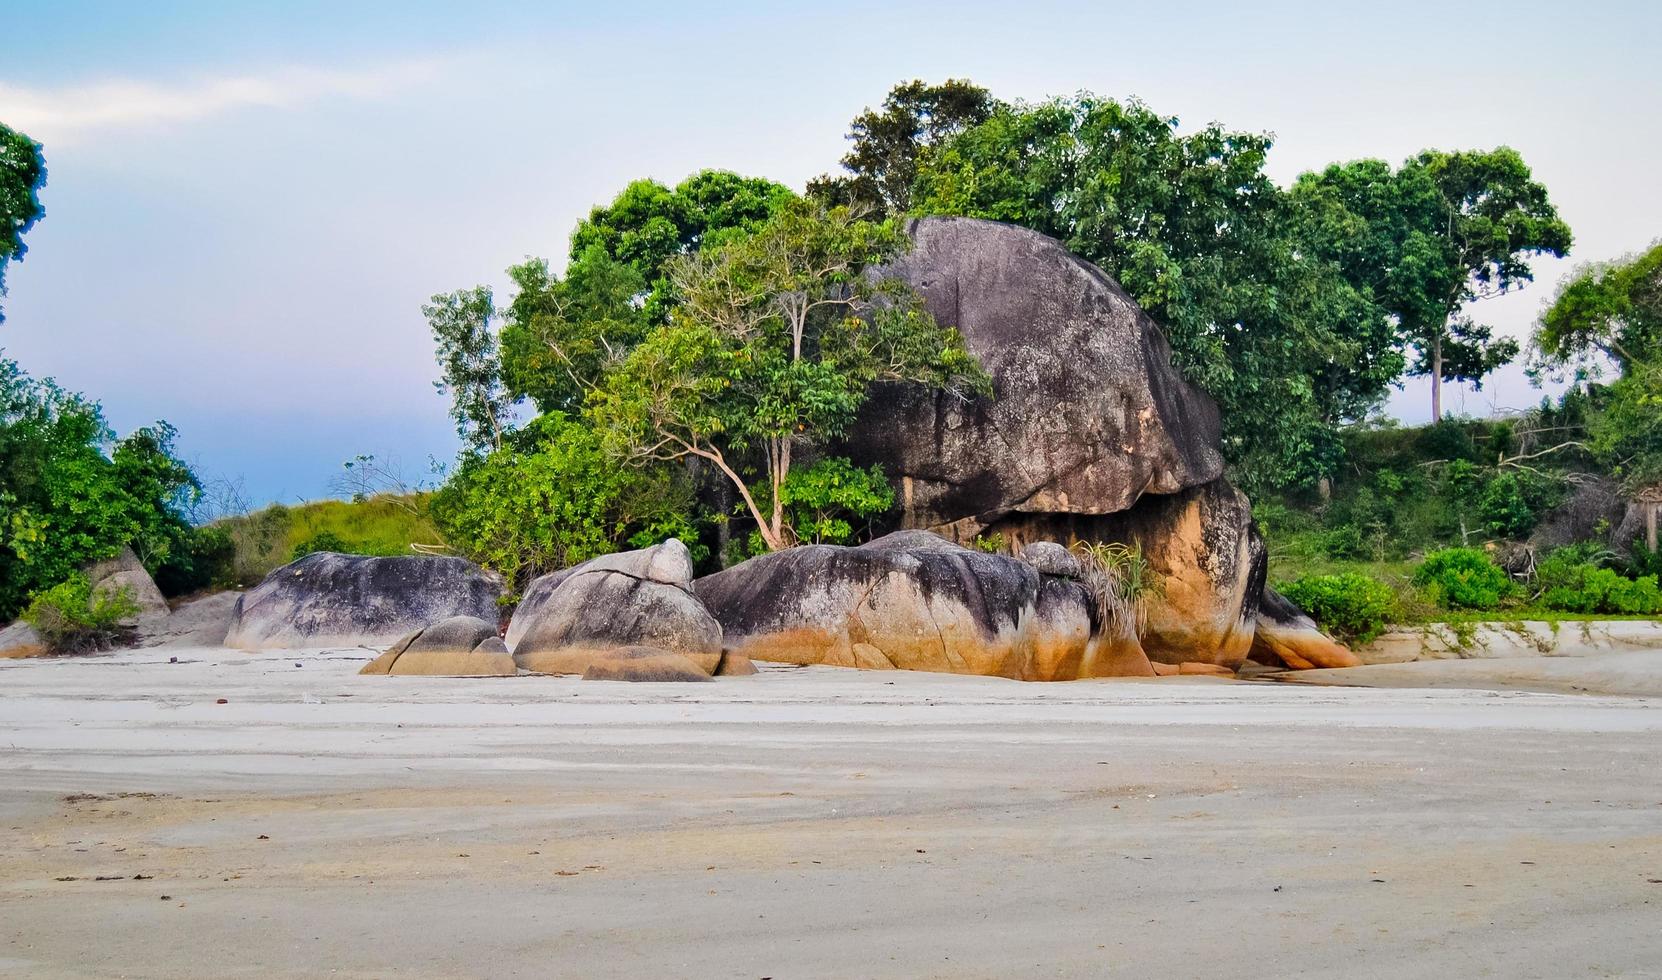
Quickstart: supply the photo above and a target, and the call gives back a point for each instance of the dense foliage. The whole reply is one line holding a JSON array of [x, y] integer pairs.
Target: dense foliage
[[552, 498], [71, 493], [1425, 240], [777, 338], [1352, 607]]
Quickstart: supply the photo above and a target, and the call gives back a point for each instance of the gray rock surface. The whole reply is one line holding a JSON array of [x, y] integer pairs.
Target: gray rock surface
[[569, 618], [1088, 415], [328, 599], [1051, 558], [124, 571], [200, 622], [914, 601], [20, 640]]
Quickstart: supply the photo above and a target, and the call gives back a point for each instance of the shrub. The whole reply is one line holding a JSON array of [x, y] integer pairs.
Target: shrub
[[72, 617], [1352, 607], [1572, 579], [321, 541], [1504, 509], [1345, 542], [1463, 578], [1636, 596]]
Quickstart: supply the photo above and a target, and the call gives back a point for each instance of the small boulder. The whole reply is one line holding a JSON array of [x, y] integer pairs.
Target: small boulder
[[570, 618], [20, 640], [643, 664], [1051, 558], [125, 571], [1286, 637], [461, 646], [332, 600]]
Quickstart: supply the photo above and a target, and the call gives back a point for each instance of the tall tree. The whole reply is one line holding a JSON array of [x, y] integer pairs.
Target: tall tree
[[882, 164], [22, 175], [1197, 233], [1430, 238], [774, 345], [471, 365]]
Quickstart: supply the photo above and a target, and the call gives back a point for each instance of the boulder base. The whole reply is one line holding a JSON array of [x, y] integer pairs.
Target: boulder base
[[643, 664], [1286, 637], [460, 646]]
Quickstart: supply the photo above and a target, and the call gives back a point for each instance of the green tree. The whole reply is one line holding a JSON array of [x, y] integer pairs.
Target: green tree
[[1612, 310], [882, 163], [1197, 233], [562, 335], [1431, 237], [71, 494], [552, 497], [22, 175], [471, 365], [648, 224], [775, 342]]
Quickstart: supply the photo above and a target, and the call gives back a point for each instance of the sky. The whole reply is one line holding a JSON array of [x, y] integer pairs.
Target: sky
[[249, 203]]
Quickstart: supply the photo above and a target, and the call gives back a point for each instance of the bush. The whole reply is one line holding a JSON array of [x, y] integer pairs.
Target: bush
[[1572, 580], [1352, 607], [321, 541], [1463, 578], [205, 556], [72, 618], [1504, 509], [1345, 542]]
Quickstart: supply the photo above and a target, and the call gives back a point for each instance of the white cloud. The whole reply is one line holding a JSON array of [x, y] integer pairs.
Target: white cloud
[[64, 114]]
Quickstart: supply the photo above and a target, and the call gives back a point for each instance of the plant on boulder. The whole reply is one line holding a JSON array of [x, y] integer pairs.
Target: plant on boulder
[[774, 344], [1122, 584], [73, 617]]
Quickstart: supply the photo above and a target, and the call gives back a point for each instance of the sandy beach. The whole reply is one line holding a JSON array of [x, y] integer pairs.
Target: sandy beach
[[812, 822]]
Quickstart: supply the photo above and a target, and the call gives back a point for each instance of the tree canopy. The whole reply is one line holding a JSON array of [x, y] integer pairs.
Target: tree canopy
[[1612, 310], [1198, 234], [882, 163], [22, 175], [776, 339], [1430, 237]]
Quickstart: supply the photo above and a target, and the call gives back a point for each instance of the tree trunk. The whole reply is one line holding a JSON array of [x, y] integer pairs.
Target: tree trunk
[[1437, 379], [1650, 524]]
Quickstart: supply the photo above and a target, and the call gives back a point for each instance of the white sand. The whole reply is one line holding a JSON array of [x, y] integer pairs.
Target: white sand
[[813, 823]]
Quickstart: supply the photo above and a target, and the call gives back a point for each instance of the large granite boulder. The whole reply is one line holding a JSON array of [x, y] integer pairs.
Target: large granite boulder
[[461, 646], [915, 601], [1088, 413], [571, 618], [1286, 637], [327, 599], [1206, 556]]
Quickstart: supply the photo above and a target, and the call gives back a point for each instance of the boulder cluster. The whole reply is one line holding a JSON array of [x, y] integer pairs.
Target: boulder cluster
[[1091, 437]]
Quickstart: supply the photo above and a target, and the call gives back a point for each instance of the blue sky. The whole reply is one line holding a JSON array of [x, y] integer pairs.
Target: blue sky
[[249, 203]]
